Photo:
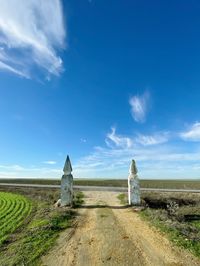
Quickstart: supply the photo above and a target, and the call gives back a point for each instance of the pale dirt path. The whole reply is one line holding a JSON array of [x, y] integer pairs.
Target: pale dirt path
[[114, 235]]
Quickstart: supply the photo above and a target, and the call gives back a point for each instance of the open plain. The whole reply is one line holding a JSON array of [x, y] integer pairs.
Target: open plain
[[108, 233], [102, 231]]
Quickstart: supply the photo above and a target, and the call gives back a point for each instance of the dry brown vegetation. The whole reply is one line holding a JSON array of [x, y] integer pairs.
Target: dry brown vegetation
[[178, 214]]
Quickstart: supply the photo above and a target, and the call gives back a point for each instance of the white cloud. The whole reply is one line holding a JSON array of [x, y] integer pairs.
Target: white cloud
[[193, 134], [155, 139], [6, 67], [50, 162], [156, 161], [14, 167], [117, 140], [30, 34], [112, 160], [153, 161], [125, 142], [17, 171], [139, 106]]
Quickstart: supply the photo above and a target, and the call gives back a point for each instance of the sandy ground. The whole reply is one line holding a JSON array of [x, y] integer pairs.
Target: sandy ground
[[107, 233]]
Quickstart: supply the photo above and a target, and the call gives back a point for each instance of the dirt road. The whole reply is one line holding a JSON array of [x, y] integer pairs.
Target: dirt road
[[110, 234]]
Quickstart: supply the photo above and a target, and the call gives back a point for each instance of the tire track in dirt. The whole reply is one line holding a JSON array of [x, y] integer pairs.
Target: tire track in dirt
[[109, 234]]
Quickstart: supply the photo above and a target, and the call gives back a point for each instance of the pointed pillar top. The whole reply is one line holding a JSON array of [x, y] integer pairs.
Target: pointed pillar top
[[67, 167], [133, 169]]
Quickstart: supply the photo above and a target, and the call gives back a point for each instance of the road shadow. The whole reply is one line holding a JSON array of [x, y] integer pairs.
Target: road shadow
[[96, 206]]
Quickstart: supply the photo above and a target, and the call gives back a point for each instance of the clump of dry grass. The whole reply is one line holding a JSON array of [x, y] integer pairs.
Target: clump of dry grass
[[177, 214]]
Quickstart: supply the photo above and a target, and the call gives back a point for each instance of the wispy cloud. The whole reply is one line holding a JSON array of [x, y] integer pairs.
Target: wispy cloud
[[192, 134], [126, 142], [18, 171], [13, 167], [117, 140], [5, 67], [155, 139], [50, 162], [139, 106], [155, 161], [111, 160], [154, 158], [30, 34]]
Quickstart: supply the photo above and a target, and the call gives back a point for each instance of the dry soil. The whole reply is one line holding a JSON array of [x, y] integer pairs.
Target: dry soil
[[107, 233]]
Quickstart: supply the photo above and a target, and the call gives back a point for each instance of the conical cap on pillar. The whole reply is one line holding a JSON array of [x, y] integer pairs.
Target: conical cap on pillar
[[133, 168], [67, 167]]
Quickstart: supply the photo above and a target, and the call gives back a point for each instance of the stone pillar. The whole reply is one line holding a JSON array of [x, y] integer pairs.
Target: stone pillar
[[67, 184], [133, 186]]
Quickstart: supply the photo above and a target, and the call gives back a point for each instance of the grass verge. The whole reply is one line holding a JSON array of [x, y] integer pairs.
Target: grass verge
[[176, 214], [183, 234], [39, 232]]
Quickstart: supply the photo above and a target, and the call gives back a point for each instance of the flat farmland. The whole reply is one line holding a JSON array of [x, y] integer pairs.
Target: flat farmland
[[30, 224], [101, 226], [166, 184], [13, 210], [173, 184]]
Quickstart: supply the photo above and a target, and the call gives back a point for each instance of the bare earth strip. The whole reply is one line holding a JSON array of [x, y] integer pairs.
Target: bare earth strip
[[110, 234]]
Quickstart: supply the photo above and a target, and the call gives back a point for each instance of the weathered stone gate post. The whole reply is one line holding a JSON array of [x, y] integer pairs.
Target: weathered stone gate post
[[133, 185], [67, 184]]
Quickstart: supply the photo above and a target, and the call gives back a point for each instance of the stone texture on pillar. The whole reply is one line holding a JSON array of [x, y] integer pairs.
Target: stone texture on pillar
[[67, 184], [133, 185]]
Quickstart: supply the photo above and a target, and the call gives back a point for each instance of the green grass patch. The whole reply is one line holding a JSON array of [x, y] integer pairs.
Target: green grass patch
[[78, 199], [37, 240], [38, 233], [103, 215], [196, 224], [13, 211], [38, 223], [123, 198]]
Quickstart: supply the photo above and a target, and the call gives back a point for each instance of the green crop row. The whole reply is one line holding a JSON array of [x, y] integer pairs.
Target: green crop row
[[13, 210]]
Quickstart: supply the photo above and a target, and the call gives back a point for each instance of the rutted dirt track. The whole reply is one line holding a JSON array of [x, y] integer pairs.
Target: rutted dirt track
[[110, 234]]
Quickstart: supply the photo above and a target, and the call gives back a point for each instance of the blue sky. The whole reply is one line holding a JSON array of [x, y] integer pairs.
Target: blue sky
[[102, 81]]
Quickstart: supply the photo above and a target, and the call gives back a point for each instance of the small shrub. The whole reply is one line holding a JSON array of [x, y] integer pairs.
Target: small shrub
[[172, 207], [78, 199]]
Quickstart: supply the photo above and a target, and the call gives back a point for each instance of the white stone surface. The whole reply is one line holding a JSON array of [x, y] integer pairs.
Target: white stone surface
[[66, 190], [133, 185], [134, 192], [58, 203], [67, 167], [67, 184]]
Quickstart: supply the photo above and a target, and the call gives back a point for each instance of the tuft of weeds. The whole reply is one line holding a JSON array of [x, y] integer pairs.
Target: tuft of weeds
[[123, 198], [78, 199], [103, 215]]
